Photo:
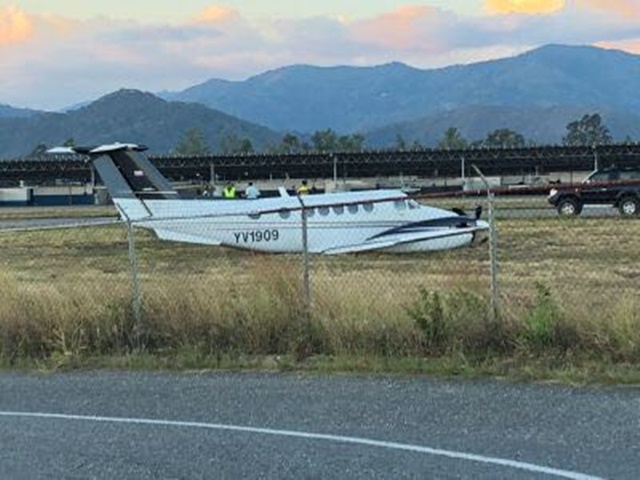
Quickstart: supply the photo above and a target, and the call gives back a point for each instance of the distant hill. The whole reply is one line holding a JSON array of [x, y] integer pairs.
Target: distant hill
[[7, 111], [560, 79], [127, 116], [546, 126]]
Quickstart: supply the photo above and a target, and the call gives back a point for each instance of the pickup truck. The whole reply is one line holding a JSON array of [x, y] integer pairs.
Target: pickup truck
[[618, 187]]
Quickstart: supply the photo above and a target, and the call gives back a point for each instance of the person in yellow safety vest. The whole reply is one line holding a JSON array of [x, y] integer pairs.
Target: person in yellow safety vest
[[303, 189], [229, 191]]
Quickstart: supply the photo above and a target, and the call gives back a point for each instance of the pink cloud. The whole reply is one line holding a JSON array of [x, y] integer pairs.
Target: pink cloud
[[402, 29], [528, 7], [625, 8], [631, 45], [217, 14], [15, 26]]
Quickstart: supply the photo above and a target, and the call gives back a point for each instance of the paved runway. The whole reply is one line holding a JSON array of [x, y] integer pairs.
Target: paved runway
[[246, 425], [53, 223]]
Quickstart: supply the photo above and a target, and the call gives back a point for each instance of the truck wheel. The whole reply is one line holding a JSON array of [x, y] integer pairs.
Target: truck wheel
[[628, 206], [569, 206]]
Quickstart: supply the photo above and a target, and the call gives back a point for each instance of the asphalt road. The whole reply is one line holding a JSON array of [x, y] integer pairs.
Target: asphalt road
[[286, 426]]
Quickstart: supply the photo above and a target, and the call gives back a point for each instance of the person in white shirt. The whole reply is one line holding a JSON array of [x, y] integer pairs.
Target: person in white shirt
[[252, 192]]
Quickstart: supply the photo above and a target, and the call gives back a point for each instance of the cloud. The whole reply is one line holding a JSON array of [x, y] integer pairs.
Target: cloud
[[625, 8], [217, 14], [401, 29], [526, 7], [15, 26], [52, 62], [630, 45]]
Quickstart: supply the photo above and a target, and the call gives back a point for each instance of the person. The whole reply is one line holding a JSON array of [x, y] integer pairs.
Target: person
[[303, 189], [252, 192], [229, 191]]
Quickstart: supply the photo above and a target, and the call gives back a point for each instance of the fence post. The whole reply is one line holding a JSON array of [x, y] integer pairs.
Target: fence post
[[306, 281], [135, 284], [493, 248]]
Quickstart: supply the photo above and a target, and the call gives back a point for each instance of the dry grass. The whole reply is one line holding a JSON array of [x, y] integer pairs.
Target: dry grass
[[568, 290]]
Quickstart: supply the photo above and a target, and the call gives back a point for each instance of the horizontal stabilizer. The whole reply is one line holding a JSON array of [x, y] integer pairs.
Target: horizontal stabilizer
[[97, 150]]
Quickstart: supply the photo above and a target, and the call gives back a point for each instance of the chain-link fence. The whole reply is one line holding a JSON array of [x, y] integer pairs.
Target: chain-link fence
[[548, 283]]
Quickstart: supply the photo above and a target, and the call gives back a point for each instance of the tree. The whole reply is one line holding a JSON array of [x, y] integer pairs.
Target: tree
[[351, 143], [452, 140], [324, 140], [193, 143], [589, 130], [504, 138], [39, 150], [290, 143], [232, 144]]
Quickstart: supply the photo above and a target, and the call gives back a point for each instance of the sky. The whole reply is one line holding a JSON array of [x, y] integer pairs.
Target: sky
[[57, 53]]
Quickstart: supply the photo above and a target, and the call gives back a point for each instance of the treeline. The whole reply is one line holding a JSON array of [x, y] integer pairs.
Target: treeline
[[194, 143], [588, 130]]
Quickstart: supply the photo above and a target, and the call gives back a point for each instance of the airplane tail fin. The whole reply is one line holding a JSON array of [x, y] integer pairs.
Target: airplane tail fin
[[130, 178]]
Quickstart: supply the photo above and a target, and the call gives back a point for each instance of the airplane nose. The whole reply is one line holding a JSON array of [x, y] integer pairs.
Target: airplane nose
[[482, 224]]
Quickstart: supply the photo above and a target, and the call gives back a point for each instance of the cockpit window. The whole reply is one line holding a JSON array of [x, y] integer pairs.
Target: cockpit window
[[413, 204], [400, 205]]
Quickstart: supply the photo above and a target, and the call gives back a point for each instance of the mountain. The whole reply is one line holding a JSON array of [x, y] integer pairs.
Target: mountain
[[7, 111], [546, 126], [127, 116], [358, 99]]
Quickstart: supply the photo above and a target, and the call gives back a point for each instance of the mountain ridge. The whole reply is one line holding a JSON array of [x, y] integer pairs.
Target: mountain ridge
[[356, 99], [128, 116], [535, 93]]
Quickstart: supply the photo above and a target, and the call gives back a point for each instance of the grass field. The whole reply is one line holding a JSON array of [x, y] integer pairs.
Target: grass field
[[569, 305]]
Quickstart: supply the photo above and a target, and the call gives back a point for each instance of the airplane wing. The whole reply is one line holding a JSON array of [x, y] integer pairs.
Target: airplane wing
[[402, 239]]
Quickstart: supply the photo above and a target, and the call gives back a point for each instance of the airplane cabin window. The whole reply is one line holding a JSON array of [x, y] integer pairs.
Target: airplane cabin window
[[352, 208], [338, 209], [400, 205], [284, 213], [324, 211], [254, 216], [367, 207], [310, 212]]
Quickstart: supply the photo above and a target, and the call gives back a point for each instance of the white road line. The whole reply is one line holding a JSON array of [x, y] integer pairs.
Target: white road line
[[530, 467]]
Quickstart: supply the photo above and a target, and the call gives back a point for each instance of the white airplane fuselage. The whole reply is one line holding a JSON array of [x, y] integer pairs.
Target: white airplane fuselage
[[335, 222]]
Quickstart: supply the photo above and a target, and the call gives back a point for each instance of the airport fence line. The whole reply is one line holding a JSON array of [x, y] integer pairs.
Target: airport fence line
[[545, 282]]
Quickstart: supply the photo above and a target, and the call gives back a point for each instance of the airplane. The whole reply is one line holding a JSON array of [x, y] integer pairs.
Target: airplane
[[336, 223]]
